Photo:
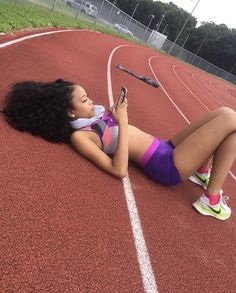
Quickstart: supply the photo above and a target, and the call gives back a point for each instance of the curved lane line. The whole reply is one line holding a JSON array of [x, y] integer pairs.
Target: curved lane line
[[230, 172], [145, 266], [183, 83], [38, 35], [222, 90], [205, 90], [168, 96], [181, 113], [148, 277]]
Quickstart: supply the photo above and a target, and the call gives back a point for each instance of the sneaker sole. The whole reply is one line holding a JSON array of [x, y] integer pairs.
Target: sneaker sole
[[197, 181], [205, 213]]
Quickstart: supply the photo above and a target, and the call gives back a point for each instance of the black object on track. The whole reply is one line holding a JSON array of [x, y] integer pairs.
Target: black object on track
[[146, 79]]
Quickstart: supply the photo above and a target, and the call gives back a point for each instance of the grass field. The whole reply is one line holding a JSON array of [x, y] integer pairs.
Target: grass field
[[23, 14], [16, 15]]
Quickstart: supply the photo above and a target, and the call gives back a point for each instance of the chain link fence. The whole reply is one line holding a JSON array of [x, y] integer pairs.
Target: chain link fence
[[183, 54], [109, 16]]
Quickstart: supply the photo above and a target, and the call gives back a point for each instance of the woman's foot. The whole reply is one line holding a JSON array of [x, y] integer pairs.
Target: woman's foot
[[201, 179], [220, 211]]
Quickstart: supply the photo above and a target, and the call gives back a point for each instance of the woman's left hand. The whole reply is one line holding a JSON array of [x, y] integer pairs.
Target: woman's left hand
[[119, 113]]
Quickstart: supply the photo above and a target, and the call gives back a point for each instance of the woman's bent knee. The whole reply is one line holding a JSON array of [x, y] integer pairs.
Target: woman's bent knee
[[224, 110], [229, 120]]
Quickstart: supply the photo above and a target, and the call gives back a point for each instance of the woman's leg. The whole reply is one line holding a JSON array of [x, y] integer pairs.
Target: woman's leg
[[216, 136], [211, 202], [180, 136], [223, 160], [189, 129]]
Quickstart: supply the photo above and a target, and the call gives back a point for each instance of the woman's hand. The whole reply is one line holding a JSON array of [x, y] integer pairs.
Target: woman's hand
[[119, 113]]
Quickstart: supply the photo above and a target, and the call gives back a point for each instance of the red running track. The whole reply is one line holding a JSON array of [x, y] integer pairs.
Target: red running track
[[65, 226]]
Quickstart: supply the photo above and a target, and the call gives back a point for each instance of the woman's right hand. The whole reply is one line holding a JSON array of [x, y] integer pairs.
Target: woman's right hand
[[119, 113]]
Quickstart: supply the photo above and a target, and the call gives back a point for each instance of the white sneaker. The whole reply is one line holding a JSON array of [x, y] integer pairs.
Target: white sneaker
[[201, 179], [220, 211]]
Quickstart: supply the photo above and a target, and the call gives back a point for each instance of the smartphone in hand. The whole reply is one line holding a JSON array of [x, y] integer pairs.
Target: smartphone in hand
[[123, 94]]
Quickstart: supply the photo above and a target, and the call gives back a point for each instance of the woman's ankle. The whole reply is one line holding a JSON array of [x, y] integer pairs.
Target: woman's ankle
[[213, 198], [203, 169]]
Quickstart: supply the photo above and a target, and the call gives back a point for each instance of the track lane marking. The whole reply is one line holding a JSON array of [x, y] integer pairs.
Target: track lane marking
[[146, 270], [6, 44], [181, 113], [168, 96], [192, 93], [205, 90], [148, 278]]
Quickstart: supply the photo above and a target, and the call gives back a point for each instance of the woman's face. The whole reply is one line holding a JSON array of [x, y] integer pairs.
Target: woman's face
[[81, 105]]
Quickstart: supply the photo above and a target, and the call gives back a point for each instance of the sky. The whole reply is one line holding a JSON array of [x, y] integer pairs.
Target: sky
[[210, 10]]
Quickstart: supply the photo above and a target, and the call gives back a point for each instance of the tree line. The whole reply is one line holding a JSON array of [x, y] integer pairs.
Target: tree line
[[212, 42]]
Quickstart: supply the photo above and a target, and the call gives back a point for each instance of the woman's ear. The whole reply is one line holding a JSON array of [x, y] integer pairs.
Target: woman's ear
[[71, 114]]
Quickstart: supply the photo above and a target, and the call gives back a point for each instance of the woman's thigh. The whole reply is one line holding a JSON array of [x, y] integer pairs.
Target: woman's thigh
[[189, 129], [196, 148]]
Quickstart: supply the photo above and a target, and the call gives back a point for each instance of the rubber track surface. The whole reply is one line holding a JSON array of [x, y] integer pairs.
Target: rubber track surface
[[64, 223]]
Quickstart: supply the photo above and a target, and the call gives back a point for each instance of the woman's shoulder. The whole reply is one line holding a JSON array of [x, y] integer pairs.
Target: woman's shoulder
[[78, 134], [79, 137]]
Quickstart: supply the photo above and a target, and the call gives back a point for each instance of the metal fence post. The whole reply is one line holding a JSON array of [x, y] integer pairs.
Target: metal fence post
[[78, 11], [167, 47], [95, 21], [53, 5]]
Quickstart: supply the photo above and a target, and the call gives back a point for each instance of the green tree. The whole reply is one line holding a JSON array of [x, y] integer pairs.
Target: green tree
[[175, 17], [214, 43]]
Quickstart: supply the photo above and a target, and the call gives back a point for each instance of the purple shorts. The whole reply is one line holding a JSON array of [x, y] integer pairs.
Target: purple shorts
[[158, 163]]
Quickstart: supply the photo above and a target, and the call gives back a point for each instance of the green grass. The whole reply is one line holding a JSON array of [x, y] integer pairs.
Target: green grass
[[25, 15]]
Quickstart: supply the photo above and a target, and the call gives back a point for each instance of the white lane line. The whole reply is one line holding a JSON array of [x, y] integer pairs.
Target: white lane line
[[181, 113], [205, 90], [216, 87], [168, 96], [224, 90], [183, 83], [39, 35], [232, 175], [230, 172], [148, 278]]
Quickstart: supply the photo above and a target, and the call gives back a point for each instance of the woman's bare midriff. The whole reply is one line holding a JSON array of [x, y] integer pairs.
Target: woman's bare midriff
[[139, 141]]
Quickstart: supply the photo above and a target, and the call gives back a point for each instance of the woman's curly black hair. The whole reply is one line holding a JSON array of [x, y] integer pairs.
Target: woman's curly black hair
[[41, 108]]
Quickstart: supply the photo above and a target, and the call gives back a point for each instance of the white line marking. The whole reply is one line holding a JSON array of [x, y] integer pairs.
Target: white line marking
[[181, 113], [148, 278], [39, 35], [183, 83], [205, 90], [177, 108], [232, 175]]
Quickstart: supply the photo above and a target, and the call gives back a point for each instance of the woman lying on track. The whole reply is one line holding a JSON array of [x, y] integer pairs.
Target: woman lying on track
[[62, 111]]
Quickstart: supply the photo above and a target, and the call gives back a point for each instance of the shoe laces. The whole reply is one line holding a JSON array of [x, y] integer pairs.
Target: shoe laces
[[224, 198]]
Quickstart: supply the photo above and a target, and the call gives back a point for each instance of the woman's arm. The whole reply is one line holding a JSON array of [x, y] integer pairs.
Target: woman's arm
[[121, 156], [118, 165]]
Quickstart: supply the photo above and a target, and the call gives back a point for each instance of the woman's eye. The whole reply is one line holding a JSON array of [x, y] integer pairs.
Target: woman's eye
[[84, 101]]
